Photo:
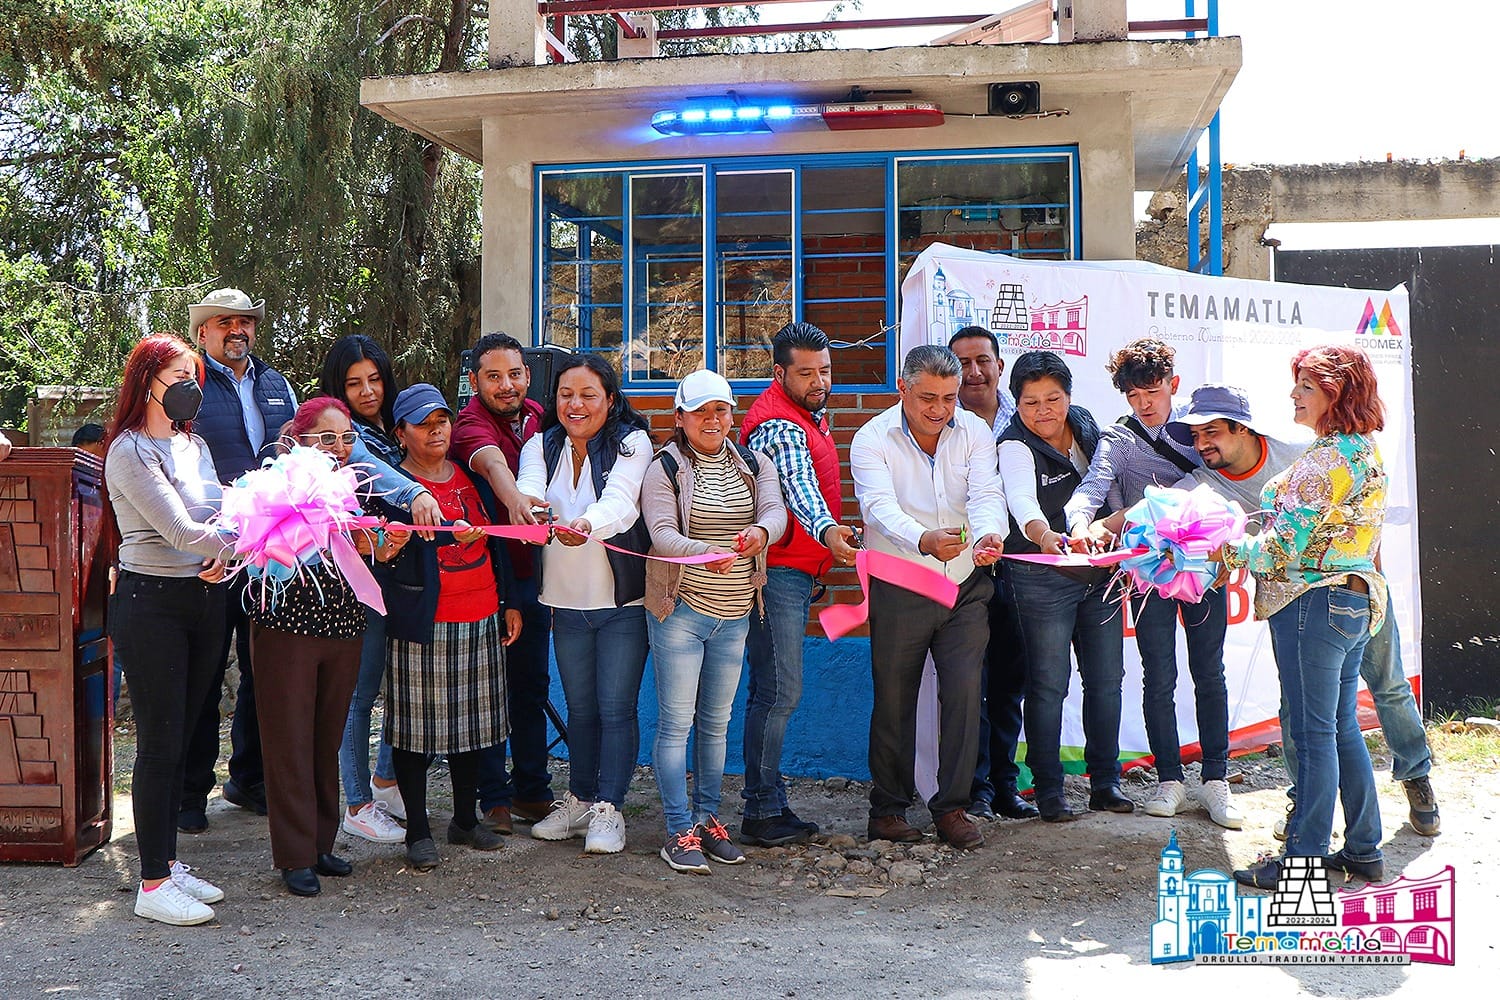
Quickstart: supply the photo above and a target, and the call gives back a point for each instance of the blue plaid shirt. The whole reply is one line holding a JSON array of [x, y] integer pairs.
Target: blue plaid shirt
[[786, 444]]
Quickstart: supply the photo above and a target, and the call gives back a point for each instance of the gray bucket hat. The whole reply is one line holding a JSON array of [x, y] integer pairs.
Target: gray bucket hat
[[1210, 402], [224, 302]]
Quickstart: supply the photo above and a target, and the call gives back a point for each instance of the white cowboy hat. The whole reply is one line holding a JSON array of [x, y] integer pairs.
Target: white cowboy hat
[[223, 302]]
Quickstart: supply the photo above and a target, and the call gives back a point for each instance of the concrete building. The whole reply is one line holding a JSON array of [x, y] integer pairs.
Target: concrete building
[[670, 251]]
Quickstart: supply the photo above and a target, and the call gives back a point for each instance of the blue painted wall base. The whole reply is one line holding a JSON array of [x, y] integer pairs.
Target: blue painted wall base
[[829, 733]]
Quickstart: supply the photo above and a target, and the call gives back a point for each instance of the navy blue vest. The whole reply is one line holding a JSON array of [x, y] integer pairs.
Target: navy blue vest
[[221, 421], [629, 571], [1056, 478]]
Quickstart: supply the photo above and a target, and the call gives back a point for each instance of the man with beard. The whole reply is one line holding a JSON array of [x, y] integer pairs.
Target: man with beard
[[245, 402], [995, 773], [789, 422], [487, 439]]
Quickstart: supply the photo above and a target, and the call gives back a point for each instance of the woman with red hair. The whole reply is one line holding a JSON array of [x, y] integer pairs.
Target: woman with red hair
[[306, 647], [1317, 585], [167, 611]]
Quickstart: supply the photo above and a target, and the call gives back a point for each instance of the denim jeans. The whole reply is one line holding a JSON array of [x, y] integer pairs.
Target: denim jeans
[[1004, 685], [775, 648], [697, 659], [1059, 611], [528, 681], [1156, 638], [601, 656], [354, 751], [1395, 706], [1318, 641]]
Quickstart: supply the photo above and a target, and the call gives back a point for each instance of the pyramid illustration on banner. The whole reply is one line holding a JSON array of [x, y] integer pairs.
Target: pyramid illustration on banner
[[1375, 325]]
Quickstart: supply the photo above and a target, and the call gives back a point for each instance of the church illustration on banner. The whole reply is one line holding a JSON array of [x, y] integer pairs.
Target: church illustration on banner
[[1195, 911], [1060, 327]]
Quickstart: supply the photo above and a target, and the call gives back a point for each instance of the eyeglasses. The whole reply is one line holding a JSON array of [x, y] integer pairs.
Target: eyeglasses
[[328, 438]]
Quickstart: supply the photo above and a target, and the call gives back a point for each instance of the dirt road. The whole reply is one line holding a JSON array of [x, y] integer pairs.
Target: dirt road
[[1040, 911]]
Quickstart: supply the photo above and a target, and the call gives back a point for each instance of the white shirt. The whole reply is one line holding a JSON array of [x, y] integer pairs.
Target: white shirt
[[903, 492], [1018, 469], [578, 577]]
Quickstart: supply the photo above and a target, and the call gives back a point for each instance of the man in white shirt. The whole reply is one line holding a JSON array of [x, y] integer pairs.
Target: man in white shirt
[[928, 487]]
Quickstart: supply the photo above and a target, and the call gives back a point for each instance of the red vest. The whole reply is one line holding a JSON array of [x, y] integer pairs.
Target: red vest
[[797, 549]]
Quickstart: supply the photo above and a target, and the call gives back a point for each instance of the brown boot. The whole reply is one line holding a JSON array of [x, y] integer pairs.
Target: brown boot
[[531, 812], [499, 821], [893, 828], [959, 830]]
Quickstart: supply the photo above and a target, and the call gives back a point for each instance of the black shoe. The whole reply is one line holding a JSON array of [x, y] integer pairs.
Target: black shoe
[[1370, 871], [192, 820], [423, 855], [980, 809], [332, 864], [1012, 806], [796, 820], [252, 797], [479, 837], [771, 831], [1055, 810], [301, 881], [1261, 875], [1109, 798]]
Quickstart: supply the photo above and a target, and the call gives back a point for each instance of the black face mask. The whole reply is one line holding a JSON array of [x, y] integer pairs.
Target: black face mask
[[182, 400]]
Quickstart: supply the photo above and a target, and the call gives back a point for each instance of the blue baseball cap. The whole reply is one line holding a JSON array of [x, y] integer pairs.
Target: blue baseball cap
[[416, 403], [1208, 403]]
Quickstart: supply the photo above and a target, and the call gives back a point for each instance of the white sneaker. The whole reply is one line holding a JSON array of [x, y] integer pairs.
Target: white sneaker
[[1215, 798], [1167, 800], [170, 904], [391, 799], [606, 830], [203, 892], [569, 818], [371, 822]]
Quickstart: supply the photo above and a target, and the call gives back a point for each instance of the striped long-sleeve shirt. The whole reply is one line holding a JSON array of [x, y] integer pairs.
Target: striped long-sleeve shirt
[[786, 444]]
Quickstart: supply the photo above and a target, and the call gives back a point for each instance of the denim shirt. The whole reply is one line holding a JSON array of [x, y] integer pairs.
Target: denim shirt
[[389, 483]]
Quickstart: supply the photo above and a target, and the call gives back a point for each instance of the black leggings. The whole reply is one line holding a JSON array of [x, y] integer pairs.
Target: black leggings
[[168, 632], [411, 778]]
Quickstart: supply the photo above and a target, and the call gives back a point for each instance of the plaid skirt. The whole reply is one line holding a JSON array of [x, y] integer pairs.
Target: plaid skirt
[[447, 696]]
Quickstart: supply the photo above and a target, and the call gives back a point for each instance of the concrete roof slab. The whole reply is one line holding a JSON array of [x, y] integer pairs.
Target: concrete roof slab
[[1175, 86]]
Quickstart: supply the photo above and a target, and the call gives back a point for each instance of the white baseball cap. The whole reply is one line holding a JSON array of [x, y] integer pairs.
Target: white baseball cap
[[703, 386]]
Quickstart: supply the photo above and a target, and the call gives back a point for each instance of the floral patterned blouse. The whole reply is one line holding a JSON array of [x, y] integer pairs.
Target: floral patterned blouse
[[1325, 517]]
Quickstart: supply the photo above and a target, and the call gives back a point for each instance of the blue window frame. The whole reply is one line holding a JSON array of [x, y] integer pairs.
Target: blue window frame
[[670, 266]]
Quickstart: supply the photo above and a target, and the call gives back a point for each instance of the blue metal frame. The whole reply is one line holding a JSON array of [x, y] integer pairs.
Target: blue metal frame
[[710, 166], [1213, 191]]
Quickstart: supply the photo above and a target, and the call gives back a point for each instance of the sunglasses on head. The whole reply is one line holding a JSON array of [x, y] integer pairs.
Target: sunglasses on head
[[329, 438]]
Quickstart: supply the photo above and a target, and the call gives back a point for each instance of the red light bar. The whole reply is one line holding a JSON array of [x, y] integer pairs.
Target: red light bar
[[904, 114]]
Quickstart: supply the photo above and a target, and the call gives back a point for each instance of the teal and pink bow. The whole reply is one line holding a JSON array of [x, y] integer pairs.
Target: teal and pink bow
[[1173, 532]]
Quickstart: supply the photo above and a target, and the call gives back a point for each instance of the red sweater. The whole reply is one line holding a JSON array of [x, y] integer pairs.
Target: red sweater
[[797, 549]]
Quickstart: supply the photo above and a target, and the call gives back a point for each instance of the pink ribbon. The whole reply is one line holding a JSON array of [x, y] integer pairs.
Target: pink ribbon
[[538, 534], [1077, 560], [838, 620]]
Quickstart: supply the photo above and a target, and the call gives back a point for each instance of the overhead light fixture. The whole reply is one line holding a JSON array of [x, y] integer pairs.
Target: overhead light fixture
[[739, 119]]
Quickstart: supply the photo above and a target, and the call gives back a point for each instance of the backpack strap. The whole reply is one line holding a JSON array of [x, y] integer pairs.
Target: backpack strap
[[1157, 445]]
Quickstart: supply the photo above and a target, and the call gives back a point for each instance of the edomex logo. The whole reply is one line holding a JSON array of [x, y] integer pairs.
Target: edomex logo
[[1205, 917], [1381, 324]]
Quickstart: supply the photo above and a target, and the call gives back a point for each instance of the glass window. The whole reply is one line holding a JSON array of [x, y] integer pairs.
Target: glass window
[[754, 268], [844, 268], [624, 252], [666, 339], [1012, 204]]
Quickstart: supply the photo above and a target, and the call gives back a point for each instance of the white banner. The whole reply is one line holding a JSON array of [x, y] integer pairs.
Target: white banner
[[1224, 330]]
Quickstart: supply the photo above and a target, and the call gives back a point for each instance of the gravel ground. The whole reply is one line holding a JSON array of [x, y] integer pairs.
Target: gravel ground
[[1040, 911]]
